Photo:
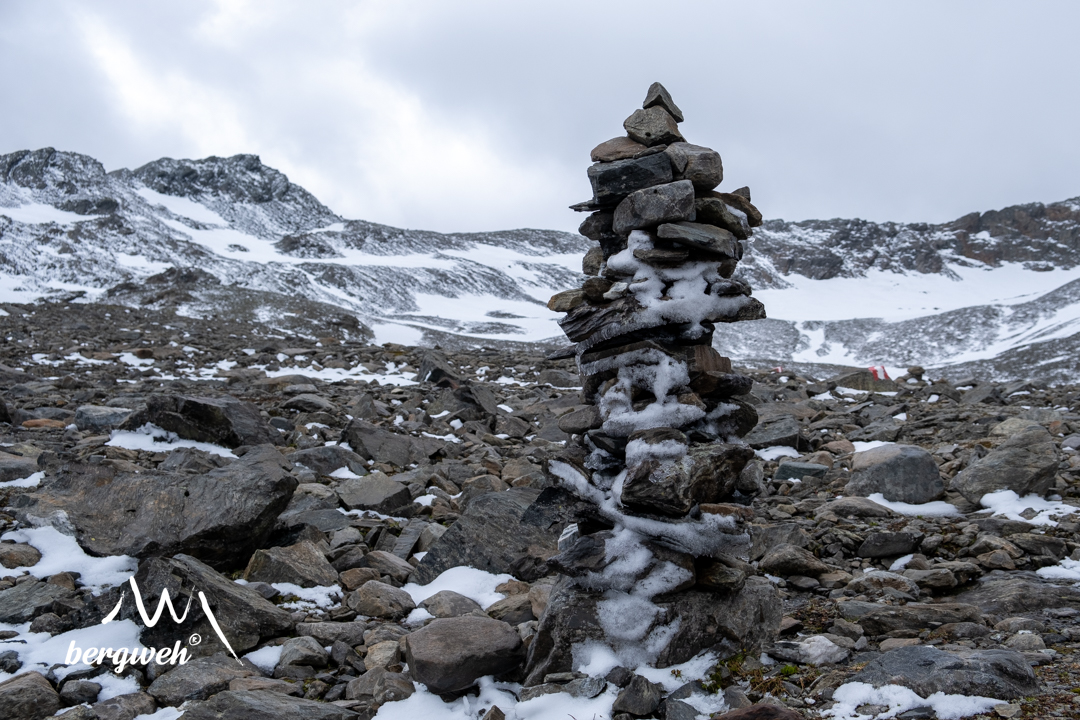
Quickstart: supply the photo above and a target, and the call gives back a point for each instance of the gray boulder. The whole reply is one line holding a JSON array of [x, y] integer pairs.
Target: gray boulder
[[25, 601], [700, 165], [914, 616], [245, 617], [902, 473], [1003, 674], [99, 418], [200, 678], [699, 236], [652, 126], [219, 420], [372, 442], [785, 560], [746, 620], [784, 431], [1025, 463], [13, 467], [658, 204], [300, 564], [264, 705], [18, 555], [303, 650], [377, 599], [612, 181], [506, 532], [123, 707], [373, 492], [447, 604], [219, 517], [325, 460], [328, 633], [450, 654], [27, 697]]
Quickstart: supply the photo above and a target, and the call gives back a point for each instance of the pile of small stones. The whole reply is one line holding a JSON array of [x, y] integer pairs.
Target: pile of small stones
[[656, 457]]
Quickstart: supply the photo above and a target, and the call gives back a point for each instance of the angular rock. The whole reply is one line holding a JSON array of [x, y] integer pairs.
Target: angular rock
[[612, 181], [381, 685], [652, 126], [386, 563], [97, 418], [303, 650], [377, 599], [244, 616], [264, 705], [325, 460], [855, 507], [373, 492], [887, 544], [200, 678], [300, 564], [310, 403], [28, 696], [655, 205], [1025, 463], [706, 238], [658, 95], [499, 532], [700, 165], [450, 654], [219, 420], [447, 604], [219, 517], [372, 442], [1003, 674], [13, 467], [786, 560], [902, 473], [799, 470], [25, 601], [713, 211], [785, 431], [640, 697]]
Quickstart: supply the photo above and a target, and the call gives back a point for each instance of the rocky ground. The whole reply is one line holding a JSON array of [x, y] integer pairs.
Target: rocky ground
[[337, 480]]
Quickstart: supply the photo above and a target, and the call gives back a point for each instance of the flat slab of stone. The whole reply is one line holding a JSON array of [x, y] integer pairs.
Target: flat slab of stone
[[1003, 674], [373, 492], [612, 181], [655, 205], [264, 705], [200, 678]]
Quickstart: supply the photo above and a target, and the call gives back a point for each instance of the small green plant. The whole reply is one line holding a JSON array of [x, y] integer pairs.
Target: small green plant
[[789, 670]]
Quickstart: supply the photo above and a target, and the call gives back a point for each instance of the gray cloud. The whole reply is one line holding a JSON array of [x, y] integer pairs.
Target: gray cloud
[[480, 115]]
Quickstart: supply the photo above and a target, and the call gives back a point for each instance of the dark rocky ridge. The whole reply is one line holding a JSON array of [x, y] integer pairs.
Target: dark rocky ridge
[[313, 276]]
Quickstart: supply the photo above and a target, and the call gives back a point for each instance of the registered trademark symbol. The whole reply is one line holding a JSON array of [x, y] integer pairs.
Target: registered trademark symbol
[[195, 639]]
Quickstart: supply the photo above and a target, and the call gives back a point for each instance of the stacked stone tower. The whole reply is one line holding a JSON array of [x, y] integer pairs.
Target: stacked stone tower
[[652, 569]]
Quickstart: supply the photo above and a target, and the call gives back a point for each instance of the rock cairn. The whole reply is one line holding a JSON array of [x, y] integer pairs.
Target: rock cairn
[[657, 455]]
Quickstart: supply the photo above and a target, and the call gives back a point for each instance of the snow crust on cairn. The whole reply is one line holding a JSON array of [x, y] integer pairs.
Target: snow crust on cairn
[[662, 452]]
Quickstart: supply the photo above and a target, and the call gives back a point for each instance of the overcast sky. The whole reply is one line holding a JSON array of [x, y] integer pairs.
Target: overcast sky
[[464, 116]]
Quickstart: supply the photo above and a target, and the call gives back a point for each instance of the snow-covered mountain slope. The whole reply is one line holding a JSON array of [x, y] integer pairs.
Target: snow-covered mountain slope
[[992, 294], [263, 245]]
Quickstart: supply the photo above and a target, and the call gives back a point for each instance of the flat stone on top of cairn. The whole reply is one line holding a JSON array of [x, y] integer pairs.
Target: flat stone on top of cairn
[[655, 467]]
